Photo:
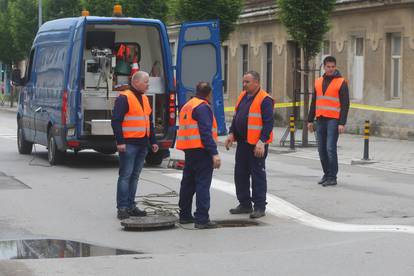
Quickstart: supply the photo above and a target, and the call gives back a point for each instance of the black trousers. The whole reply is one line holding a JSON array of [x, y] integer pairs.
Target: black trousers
[[248, 166], [197, 176]]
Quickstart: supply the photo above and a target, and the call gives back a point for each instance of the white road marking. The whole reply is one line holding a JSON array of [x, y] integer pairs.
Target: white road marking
[[9, 136], [283, 209]]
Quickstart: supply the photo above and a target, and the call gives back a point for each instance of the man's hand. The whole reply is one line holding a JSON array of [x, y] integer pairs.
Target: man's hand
[[341, 129], [121, 148], [229, 141], [154, 147], [310, 127], [216, 161], [259, 149]]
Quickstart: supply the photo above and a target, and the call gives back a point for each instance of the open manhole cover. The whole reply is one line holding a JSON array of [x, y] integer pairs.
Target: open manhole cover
[[149, 223], [48, 248], [8, 182], [236, 223]]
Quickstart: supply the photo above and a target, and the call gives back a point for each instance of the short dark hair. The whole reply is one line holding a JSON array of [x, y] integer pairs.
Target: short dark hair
[[203, 89], [329, 59], [254, 74]]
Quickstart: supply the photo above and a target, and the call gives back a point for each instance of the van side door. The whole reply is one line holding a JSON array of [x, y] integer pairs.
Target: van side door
[[199, 59], [27, 98]]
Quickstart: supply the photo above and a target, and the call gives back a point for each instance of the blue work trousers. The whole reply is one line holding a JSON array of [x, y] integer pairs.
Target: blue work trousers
[[130, 165], [248, 166], [327, 134], [197, 176]]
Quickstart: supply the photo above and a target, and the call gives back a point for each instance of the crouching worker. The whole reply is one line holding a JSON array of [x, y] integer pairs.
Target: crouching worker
[[197, 136]]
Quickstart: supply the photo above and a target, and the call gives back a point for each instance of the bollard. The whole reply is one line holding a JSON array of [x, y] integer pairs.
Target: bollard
[[292, 131], [366, 141]]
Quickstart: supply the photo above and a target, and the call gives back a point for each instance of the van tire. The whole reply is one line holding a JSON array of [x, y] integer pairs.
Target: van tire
[[24, 146], [54, 155], [155, 159]]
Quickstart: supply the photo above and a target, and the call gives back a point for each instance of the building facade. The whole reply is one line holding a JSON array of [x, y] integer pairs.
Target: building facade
[[373, 41]]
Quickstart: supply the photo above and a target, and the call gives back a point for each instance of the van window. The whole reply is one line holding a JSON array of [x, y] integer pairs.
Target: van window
[[50, 73], [28, 76]]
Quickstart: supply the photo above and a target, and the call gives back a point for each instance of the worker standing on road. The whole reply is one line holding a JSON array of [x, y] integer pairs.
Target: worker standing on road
[[197, 136], [134, 131], [252, 128], [330, 105]]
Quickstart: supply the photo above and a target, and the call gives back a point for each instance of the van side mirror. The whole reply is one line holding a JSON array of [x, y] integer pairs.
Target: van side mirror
[[15, 77]]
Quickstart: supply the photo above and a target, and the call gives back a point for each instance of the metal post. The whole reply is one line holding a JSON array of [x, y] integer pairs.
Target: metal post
[[40, 13], [292, 131], [366, 141]]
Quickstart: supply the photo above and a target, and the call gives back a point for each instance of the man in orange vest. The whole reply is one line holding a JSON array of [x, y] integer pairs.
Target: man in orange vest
[[197, 137], [134, 132], [252, 128], [330, 105]]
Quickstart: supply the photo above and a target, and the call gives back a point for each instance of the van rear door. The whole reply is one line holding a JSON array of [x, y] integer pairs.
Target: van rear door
[[199, 59]]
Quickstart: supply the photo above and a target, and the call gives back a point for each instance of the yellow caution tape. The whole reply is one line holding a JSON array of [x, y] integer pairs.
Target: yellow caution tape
[[353, 105]]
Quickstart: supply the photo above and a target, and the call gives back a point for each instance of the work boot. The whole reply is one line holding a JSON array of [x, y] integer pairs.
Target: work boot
[[257, 214], [330, 182], [241, 210], [136, 212], [323, 180], [186, 220], [209, 225], [122, 213]]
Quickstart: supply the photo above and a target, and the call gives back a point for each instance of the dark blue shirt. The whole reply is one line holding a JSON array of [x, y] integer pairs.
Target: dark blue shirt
[[239, 124], [204, 117], [121, 107]]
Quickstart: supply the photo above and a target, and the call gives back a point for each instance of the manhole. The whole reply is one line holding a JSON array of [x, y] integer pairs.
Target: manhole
[[149, 223], [236, 223], [8, 182], [48, 248]]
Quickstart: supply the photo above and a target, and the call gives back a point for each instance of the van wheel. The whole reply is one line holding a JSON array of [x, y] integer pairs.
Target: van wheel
[[24, 146], [54, 155], [155, 159]]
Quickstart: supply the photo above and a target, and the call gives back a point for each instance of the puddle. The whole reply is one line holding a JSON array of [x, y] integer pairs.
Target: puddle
[[48, 248]]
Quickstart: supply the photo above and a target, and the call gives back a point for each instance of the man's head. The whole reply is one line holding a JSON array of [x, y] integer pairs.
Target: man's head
[[140, 81], [203, 90], [329, 65], [251, 82]]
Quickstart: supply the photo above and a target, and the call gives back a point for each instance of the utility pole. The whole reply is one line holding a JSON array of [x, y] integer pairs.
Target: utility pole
[[40, 13]]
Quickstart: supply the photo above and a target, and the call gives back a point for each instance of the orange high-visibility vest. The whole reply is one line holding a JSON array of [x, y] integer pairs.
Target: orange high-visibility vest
[[136, 123], [188, 134], [254, 120], [328, 104]]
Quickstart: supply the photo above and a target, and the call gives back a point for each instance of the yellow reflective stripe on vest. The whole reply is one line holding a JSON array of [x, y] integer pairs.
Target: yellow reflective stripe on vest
[[134, 128], [187, 138], [135, 118], [185, 127], [255, 115], [254, 127], [327, 98], [328, 108]]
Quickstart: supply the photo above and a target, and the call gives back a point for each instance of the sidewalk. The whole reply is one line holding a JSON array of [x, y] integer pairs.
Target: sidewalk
[[6, 107], [388, 154]]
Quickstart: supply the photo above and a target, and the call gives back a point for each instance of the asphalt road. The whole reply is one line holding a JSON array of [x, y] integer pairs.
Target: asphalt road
[[360, 227]]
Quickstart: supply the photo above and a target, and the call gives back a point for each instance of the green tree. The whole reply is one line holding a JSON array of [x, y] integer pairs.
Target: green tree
[[6, 44], [23, 26], [227, 11], [145, 8], [61, 8], [307, 21], [99, 7]]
